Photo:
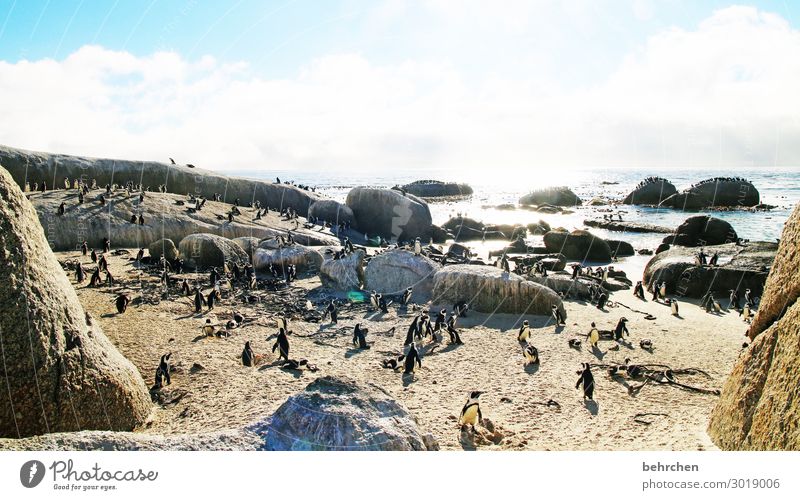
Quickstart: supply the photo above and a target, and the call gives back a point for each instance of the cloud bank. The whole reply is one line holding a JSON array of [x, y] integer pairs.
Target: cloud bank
[[723, 94]]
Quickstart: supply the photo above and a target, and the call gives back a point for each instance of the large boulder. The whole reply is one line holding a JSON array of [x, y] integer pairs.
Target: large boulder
[[393, 271], [331, 211], [437, 189], [490, 290], [716, 192], [346, 273], [650, 191], [60, 372], [620, 248], [758, 409], [741, 267], [304, 258], [179, 179], [562, 283], [340, 414], [578, 245], [557, 196], [204, 251], [247, 243], [164, 247], [390, 214], [702, 230]]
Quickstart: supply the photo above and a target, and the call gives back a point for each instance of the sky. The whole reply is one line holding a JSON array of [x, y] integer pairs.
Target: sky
[[405, 84]]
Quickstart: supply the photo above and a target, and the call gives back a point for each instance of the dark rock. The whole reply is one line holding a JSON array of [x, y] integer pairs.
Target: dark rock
[[702, 230], [557, 196], [437, 189], [204, 251], [390, 214], [631, 227], [717, 192], [331, 211], [163, 247], [620, 248], [651, 191], [578, 245]]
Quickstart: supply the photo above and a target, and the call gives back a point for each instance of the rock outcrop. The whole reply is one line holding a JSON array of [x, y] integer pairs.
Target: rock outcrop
[[247, 243], [650, 191], [741, 267], [702, 230], [490, 290], [437, 189], [346, 273], [390, 214], [164, 247], [578, 245], [61, 373], [304, 258], [204, 251], [338, 413], [393, 271], [630, 227], [165, 216], [757, 409], [620, 248], [716, 192], [331, 211], [557, 196]]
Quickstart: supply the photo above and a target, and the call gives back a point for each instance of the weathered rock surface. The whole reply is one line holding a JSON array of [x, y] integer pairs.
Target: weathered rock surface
[[178, 179], [331, 211], [578, 245], [558, 196], [390, 214], [61, 373], [346, 273], [247, 243], [204, 251], [758, 409], [702, 230], [488, 289], [741, 267], [394, 271], [337, 413], [716, 192], [163, 217], [466, 229], [620, 248], [304, 258], [631, 227], [164, 247], [437, 189], [651, 191]]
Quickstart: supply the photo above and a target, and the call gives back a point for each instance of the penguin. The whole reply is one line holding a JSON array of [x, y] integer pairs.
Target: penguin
[[248, 356], [102, 263], [238, 318], [282, 323], [412, 357], [574, 343], [471, 413], [594, 335], [80, 273], [213, 276], [122, 303], [373, 300], [746, 313], [455, 337], [621, 329], [333, 312], [413, 331], [282, 344], [133, 218], [212, 295], [199, 301], [734, 301], [95, 279], [531, 355], [557, 317], [384, 307], [360, 337], [587, 380], [106, 245], [61, 209], [601, 301], [663, 290], [393, 363], [654, 290], [504, 265], [717, 307], [140, 255], [93, 256], [441, 317], [524, 332], [406, 296], [84, 248], [417, 247], [633, 371], [172, 162], [185, 288], [460, 309], [646, 344], [748, 297], [638, 291], [208, 328], [162, 372], [293, 364]]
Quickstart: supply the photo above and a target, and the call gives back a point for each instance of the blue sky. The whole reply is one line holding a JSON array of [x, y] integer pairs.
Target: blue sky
[[405, 82]]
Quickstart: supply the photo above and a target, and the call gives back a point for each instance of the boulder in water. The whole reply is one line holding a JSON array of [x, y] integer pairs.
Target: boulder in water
[[437, 189], [578, 245], [620, 248], [702, 230], [716, 192], [340, 414], [61, 373], [557, 196], [650, 191]]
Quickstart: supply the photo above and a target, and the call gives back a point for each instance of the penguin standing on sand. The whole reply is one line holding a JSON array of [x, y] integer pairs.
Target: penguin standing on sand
[[638, 291], [594, 335], [587, 380], [373, 300], [471, 413], [162, 371], [441, 318], [360, 337], [333, 312], [406, 296], [382, 304], [413, 331], [524, 332], [80, 273], [748, 297], [621, 329], [95, 279], [734, 301], [412, 357], [654, 290], [122, 303], [282, 344], [673, 305], [601, 301], [662, 292], [208, 328], [93, 256], [557, 316], [212, 296], [455, 338], [746, 313], [61, 209], [84, 248], [185, 290], [531, 355], [199, 301]]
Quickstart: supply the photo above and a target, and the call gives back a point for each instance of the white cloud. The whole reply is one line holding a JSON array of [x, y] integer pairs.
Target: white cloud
[[720, 94]]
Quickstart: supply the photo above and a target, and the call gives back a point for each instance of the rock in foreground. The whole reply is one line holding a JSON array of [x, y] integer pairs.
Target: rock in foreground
[[61, 372], [338, 413]]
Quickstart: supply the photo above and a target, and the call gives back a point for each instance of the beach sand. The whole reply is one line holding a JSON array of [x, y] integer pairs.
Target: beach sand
[[223, 394]]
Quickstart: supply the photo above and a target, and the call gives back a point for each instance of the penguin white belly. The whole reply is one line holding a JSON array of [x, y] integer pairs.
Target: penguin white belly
[[526, 333], [674, 308], [470, 415]]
